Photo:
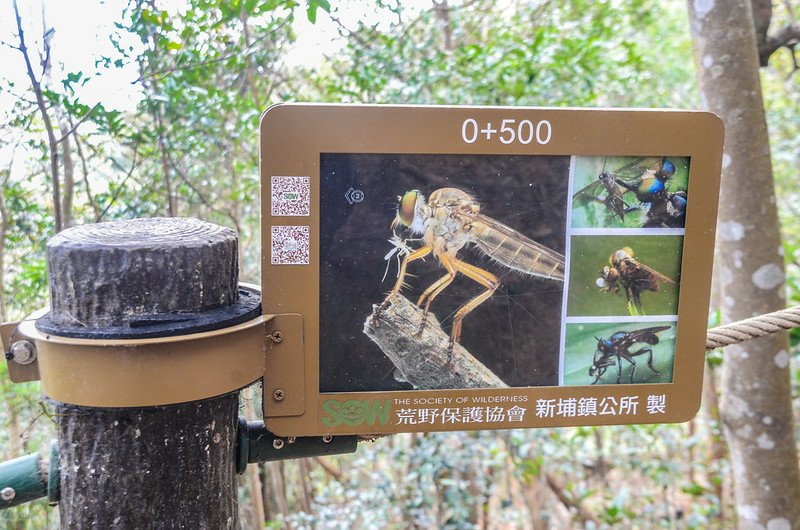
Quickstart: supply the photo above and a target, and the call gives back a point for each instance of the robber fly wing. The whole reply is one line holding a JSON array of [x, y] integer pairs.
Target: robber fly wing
[[655, 273], [514, 250], [639, 169], [640, 333], [640, 164], [588, 193]]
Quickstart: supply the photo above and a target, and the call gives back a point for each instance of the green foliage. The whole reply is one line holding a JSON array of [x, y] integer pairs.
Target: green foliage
[[313, 6], [555, 53]]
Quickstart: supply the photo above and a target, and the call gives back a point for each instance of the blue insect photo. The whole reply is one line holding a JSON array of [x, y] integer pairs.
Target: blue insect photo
[[630, 192]]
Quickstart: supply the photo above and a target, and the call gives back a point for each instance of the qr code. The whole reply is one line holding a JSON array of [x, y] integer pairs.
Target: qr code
[[291, 196], [290, 245]]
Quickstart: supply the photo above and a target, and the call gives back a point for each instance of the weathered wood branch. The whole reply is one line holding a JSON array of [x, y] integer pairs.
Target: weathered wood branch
[[424, 359]]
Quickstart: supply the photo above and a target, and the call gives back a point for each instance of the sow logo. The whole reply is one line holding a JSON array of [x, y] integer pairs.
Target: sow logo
[[355, 412]]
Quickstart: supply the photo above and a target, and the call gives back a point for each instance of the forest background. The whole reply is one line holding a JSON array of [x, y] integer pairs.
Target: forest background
[[150, 108]]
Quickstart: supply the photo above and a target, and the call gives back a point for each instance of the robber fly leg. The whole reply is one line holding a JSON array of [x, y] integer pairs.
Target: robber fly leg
[[437, 287], [417, 254], [633, 368], [643, 351], [485, 278], [637, 303], [649, 353]]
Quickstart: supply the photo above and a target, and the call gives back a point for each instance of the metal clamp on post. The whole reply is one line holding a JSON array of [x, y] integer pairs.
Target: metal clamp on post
[[285, 384], [158, 360]]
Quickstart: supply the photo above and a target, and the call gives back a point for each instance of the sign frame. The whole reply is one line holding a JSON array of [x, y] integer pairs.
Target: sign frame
[[293, 137]]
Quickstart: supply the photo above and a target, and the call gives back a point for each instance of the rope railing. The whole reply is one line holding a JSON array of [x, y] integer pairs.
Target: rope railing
[[753, 328]]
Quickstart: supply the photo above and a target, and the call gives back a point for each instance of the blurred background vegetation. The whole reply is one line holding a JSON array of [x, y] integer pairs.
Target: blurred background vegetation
[[147, 107]]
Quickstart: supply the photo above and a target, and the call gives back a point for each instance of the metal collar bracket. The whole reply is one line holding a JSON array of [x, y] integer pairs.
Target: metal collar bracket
[[137, 372]]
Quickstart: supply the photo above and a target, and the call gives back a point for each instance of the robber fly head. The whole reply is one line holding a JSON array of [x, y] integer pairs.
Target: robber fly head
[[601, 359], [604, 345], [620, 255], [411, 212], [665, 171], [608, 279]]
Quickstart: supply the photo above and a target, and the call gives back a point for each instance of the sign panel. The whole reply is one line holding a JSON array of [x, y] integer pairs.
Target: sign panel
[[460, 268]]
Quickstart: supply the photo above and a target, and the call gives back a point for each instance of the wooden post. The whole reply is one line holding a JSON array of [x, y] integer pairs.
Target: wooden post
[[159, 467]]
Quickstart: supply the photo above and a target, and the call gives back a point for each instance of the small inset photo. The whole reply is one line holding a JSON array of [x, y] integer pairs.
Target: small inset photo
[[630, 192], [619, 353], [624, 275]]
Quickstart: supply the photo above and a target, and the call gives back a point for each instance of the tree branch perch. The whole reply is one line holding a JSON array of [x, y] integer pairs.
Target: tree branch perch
[[422, 358]]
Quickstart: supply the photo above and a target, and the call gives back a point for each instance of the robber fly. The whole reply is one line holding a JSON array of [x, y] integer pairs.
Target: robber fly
[[634, 277], [447, 222], [647, 183], [607, 182], [652, 183], [617, 347]]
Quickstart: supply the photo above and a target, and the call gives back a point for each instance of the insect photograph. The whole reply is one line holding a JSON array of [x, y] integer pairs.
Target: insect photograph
[[632, 276], [475, 241], [616, 353], [447, 222], [630, 192], [605, 268]]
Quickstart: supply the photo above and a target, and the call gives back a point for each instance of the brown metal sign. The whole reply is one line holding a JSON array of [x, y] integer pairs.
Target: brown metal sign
[[461, 268]]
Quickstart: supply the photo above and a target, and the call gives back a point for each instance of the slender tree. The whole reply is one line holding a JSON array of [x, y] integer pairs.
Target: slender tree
[[36, 84], [755, 407]]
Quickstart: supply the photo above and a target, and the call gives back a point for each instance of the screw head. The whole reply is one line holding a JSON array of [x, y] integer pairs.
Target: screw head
[[277, 335], [23, 352], [327, 438], [277, 443], [8, 493], [278, 395]]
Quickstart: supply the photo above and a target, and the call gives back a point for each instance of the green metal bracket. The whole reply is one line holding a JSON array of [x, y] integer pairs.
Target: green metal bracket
[[28, 478], [33, 476], [257, 444]]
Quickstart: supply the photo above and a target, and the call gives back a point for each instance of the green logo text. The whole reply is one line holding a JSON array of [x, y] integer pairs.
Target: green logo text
[[355, 412]]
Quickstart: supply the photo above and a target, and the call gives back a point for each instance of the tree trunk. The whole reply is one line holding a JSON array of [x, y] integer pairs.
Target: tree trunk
[[5, 221], [254, 478], [86, 184], [755, 406], [172, 203], [716, 449], [68, 192], [48, 124], [158, 467], [278, 484]]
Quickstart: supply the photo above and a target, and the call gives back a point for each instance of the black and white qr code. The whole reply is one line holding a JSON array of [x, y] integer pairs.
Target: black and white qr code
[[291, 196], [290, 245]]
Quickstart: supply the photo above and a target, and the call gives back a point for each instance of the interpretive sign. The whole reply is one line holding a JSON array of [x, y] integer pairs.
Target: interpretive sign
[[459, 268]]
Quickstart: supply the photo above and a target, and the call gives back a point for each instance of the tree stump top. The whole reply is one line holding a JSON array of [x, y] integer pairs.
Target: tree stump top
[[133, 234], [103, 274]]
